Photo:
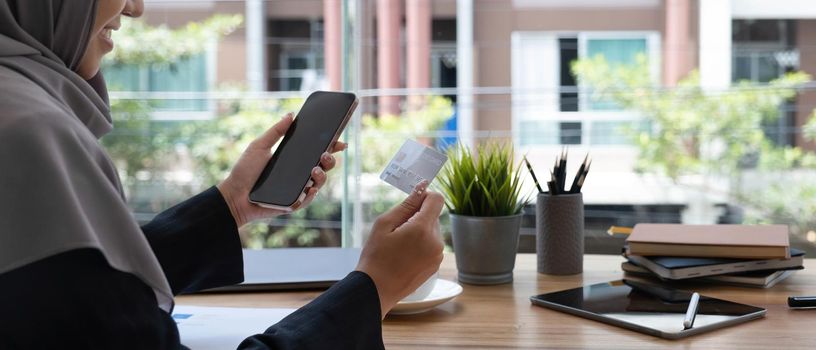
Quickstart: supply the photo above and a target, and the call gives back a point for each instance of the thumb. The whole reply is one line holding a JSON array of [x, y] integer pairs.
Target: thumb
[[431, 208], [273, 134], [400, 214]]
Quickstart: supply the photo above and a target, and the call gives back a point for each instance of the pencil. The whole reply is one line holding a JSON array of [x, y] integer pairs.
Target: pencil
[[583, 177], [574, 186], [532, 173], [619, 230], [562, 176], [551, 184]]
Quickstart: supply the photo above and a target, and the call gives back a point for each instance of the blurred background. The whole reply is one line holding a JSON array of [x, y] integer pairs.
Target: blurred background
[[693, 111]]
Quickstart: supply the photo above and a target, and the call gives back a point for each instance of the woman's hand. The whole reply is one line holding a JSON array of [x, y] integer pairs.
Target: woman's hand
[[235, 188], [404, 248]]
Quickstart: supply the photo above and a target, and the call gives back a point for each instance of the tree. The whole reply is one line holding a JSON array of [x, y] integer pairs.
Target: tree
[[141, 44], [139, 146], [691, 130], [136, 139], [145, 150], [694, 131]]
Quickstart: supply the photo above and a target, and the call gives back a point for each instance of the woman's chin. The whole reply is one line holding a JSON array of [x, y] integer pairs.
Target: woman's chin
[[87, 70]]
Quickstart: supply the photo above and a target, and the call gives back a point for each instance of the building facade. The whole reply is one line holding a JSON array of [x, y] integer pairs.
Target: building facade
[[521, 50]]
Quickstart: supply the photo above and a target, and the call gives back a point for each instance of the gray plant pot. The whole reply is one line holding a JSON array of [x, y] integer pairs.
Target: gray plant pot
[[485, 247]]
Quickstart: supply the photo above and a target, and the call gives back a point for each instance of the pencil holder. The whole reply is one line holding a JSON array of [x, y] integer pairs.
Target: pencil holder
[[560, 233]]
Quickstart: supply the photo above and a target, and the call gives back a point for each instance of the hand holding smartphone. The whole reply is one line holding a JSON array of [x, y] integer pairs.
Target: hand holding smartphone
[[315, 129]]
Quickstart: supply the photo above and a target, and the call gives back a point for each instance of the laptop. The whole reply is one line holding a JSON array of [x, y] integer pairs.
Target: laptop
[[294, 268]]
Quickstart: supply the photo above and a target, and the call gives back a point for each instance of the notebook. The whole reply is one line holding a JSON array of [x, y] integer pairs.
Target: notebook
[[718, 241], [761, 279], [676, 268], [752, 279]]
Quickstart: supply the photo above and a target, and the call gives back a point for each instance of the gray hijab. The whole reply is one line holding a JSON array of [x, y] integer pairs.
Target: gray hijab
[[60, 190]]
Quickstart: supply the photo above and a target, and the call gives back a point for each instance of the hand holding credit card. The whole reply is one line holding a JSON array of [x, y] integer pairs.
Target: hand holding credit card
[[413, 163]]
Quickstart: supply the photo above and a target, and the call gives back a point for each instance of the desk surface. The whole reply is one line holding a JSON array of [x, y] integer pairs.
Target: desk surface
[[502, 316]]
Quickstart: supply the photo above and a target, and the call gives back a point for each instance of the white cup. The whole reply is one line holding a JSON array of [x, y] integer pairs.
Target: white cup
[[424, 290]]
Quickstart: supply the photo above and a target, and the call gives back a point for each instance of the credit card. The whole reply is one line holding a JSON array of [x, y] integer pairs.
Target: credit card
[[413, 163]]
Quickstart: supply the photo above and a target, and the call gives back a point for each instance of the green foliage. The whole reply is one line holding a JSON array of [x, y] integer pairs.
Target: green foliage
[[216, 146], [810, 127], [780, 158], [382, 136], [130, 143], [717, 133], [692, 131], [136, 143], [139, 43], [775, 205], [487, 184], [145, 151]]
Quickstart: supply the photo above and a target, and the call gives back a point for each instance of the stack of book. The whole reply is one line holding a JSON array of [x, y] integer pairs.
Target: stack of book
[[751, 256]]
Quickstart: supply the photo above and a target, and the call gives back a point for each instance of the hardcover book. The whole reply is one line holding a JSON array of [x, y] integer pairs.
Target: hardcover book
[[718, 241]]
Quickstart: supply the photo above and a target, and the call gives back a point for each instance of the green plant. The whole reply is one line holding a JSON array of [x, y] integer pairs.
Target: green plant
[[487, 184]]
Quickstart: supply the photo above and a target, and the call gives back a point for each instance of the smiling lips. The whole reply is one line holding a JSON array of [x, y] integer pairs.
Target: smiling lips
[[105, 34]]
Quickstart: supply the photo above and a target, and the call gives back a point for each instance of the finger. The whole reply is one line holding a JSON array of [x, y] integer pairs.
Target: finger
[[431, 208], [273, 134], [311, 193], [400, 214], [318, 177], [327, 161], [339, 146]]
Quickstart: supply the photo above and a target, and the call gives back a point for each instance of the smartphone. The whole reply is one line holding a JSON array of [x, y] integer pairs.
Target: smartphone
[[315, 129]]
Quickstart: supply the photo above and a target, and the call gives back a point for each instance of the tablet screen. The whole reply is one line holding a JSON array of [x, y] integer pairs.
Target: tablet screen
[[646, 307]]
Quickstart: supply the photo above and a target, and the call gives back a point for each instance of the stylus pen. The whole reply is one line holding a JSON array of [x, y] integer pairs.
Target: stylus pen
[[691, 313], [802, 301]]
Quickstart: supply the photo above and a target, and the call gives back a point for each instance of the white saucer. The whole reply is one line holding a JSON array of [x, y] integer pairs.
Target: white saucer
[[443, 291]]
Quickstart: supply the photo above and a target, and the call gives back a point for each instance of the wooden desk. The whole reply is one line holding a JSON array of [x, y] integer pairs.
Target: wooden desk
[[501, 316]]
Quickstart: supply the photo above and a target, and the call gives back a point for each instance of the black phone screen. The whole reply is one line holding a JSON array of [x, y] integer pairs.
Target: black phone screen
[[313, 130]]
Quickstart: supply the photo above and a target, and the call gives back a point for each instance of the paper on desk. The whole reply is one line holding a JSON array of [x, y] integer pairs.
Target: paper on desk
[[204, 328]]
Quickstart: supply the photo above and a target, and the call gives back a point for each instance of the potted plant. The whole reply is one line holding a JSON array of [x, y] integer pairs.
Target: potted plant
[[483, 193]]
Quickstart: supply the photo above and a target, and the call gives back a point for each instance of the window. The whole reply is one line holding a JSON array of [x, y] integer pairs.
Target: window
[[568, 49], [188, 75], [443, 54], [550, 96], [570, 133], [298, 71], [616, 52], [764, 50], [523, 89], [295, 50]]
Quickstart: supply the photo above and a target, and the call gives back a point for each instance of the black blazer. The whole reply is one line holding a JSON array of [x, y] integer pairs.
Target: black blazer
[[75, 300]]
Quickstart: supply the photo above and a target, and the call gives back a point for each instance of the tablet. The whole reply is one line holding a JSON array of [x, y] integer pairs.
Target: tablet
[[648, 308]]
